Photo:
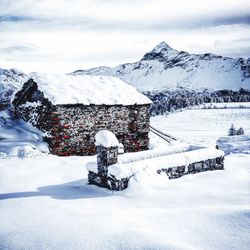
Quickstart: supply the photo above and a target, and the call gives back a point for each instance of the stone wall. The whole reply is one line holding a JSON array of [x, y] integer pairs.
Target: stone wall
[[195, 167], [37, 114], [31, 105], [73, 127]]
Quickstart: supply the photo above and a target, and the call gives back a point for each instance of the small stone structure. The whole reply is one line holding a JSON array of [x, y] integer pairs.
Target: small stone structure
[[193, 168], [107, 155], [114, 175], [72, 122]]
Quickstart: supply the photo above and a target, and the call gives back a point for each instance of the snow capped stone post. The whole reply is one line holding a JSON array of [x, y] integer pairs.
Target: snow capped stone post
[[107, 151], [107, 148]]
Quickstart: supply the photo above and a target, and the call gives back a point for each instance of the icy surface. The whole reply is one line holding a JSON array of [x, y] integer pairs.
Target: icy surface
[[106, 139], [68, 89]]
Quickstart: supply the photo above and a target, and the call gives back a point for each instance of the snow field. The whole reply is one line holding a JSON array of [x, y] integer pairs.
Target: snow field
[[45, 202], [203, 127], [49, 206]]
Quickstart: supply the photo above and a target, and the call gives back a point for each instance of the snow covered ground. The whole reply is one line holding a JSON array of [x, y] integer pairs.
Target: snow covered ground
[[203, 127], [45, 202], [230, 105], [18, 138], [234, 144]]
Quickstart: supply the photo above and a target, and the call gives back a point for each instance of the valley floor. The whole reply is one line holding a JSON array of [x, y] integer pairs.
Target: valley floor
[[45, 202]]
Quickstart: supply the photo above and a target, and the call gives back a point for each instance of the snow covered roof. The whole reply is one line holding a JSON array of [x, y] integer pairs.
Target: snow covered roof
[[85, 89]]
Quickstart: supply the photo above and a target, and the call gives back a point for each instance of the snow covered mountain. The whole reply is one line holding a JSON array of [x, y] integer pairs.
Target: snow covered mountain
[[10, 79], [165, 67]]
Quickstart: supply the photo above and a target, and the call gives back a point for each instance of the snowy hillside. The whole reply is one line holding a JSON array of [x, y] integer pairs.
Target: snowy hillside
[[18, 138], [10, 80], [165, 67]]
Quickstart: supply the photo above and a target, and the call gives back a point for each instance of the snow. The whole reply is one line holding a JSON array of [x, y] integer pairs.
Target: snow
[[18, 138], [106, 139], [49, 206], [157, 163], [69, 89], [10, 80], [91, 166], [31, 104], [166, 50], [158, 150], [234, 144], [123, 168], [45, 202], [180, 69], [195, 125], [228, 105]]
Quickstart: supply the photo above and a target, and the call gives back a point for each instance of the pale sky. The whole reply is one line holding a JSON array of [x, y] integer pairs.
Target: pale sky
[[67, 35]]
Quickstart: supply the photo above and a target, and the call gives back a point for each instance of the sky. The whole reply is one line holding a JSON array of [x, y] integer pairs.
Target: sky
[[66, 35]]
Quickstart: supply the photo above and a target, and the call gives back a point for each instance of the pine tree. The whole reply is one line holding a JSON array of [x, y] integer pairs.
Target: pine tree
[[232, 131], [240, 131]]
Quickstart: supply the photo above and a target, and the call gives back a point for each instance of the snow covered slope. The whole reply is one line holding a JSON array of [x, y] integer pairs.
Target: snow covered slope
[[165, 67], [10, 80], [19, 138]]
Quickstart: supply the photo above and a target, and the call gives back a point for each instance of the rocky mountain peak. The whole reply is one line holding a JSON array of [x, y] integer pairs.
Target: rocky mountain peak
[[161, 52], [161, 46], [166, 68]]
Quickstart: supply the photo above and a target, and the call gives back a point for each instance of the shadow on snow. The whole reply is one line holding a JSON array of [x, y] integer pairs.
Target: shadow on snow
[[67, 191]]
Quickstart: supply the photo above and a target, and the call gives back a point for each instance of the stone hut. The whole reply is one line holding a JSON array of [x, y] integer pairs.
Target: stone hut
[[72, 109]]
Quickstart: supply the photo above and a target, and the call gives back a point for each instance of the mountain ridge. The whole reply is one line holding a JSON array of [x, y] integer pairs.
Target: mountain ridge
[[164, 67]]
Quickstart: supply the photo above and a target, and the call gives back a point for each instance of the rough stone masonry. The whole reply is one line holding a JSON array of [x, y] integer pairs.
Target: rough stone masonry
[[71, 127]]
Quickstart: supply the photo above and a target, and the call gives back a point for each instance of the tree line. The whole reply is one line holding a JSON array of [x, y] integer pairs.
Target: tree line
[[170, 100]]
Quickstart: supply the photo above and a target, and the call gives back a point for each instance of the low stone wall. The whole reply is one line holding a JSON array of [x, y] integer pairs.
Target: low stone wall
[[109, 182], [117, 179], [196, 167]]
